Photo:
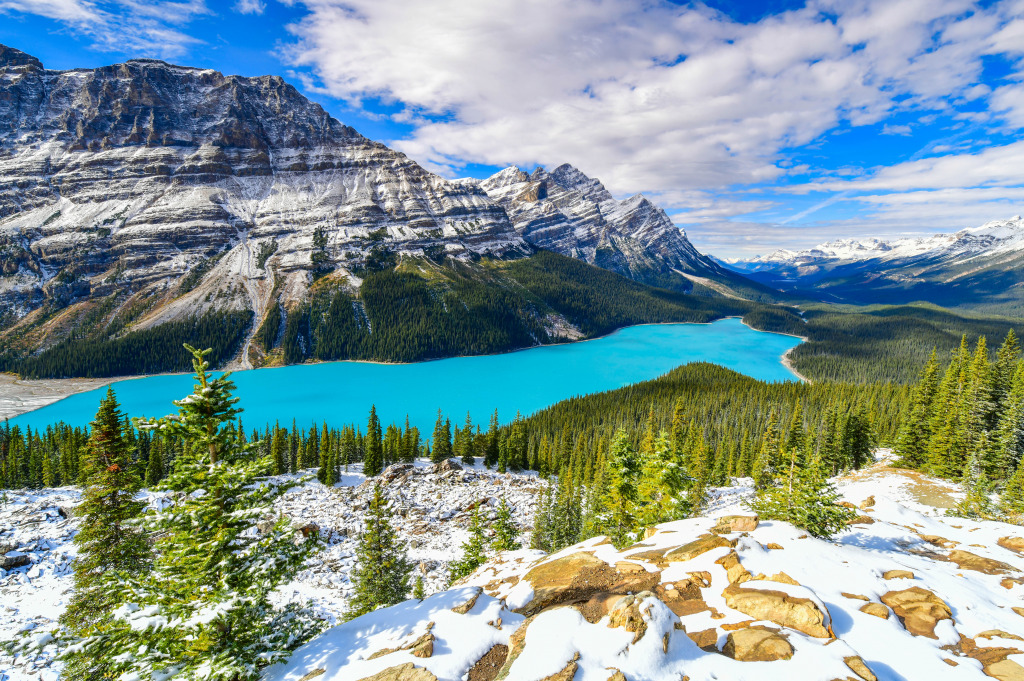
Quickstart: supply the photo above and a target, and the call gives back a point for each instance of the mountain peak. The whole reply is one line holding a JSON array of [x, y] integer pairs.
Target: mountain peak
[[10, 56]]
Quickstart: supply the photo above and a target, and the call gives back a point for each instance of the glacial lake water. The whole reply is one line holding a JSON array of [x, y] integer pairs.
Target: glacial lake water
[[527, 380]]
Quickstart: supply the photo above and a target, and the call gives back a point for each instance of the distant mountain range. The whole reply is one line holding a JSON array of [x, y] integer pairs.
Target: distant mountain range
[[980, 267], [143, 193]]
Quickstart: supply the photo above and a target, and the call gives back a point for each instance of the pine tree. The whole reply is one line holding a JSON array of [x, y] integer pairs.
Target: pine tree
[[473, 549], [418, 592], [208, 593], [506, 532], [623, 473], [1011, 501], [976, 503], [381, 576], [662, 483], [373, 463], [155, 465], [491, 457], [805, 498], [442, 442], [467, 442], [109, 541], [766, 464]]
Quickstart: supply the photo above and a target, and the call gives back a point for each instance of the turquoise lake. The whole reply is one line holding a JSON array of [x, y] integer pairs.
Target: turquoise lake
[[526, 380]]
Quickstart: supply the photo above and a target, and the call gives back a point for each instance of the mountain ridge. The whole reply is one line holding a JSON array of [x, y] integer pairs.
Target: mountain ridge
[[978, 267]]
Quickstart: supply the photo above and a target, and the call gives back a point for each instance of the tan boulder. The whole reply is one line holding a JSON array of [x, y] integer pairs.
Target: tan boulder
[[772, 546], [685, 599], [1005, 670], [403, 672], [486, 668], [855, 597], [858, 667], [616, 675], [801, 614], [1015, 544], [936, 540], [698, 546], [757, 644], [876, 609], [313, 674], [706, 639], [735, 523], [898, 574], [463, 608], [577, 577], [626, 614], [734, 570], [861, 520], [966, 560], [867, 503], [918, 610]]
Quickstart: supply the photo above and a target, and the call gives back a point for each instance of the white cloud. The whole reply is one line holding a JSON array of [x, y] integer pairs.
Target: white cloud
[[250, 6], [146, 28], [647, 96]]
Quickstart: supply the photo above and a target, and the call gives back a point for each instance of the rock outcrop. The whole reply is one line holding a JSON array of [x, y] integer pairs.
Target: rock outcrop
[[565, 211]]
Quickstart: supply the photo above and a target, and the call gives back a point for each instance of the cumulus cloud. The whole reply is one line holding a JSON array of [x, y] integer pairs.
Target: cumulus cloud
[[250, 6], [647, 96], [152, 29]]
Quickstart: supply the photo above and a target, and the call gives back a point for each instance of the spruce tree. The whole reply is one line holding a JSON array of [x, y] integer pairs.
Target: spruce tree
[[491, 457], [418, 592], [467, 442], [623, 473], [506, 532], [381, 576], [473, 549], [765, 467], [204, 609], [804, 497], [155, 465], [1011, 501], [373, 463], [662, 483], [976, 503], [442, 442], [109, 541]]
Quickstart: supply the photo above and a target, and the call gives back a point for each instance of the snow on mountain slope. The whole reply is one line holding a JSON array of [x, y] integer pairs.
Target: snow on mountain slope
[[570, 213], [433, 508], [905, 593], [992, 238], [126, 178]]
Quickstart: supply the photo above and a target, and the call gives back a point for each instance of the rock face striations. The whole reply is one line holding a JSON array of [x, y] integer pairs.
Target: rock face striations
[[137, 173], [569, 213], [143, 193]]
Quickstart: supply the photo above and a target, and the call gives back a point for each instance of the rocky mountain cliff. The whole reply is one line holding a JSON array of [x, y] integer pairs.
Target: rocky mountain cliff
[[133, 175], [570, 213], [143, 193]]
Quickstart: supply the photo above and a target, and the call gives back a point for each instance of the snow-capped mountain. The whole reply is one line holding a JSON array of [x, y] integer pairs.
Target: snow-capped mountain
[[567, 212], [134, 174], [978, 266], [992, 238], [193, 191]]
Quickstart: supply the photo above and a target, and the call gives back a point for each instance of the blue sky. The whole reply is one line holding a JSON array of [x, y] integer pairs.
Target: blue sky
[[757, 125]]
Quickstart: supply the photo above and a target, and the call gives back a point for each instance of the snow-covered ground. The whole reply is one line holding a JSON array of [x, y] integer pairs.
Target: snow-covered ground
[[905, 528], [431, 514], [905, 593]]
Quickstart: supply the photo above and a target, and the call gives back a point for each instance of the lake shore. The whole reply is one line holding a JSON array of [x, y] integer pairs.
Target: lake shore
[[787, 361], [19, 396]]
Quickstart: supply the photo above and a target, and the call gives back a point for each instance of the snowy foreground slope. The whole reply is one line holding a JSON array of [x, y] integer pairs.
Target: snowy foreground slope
[[904, 593], [36, 528]]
